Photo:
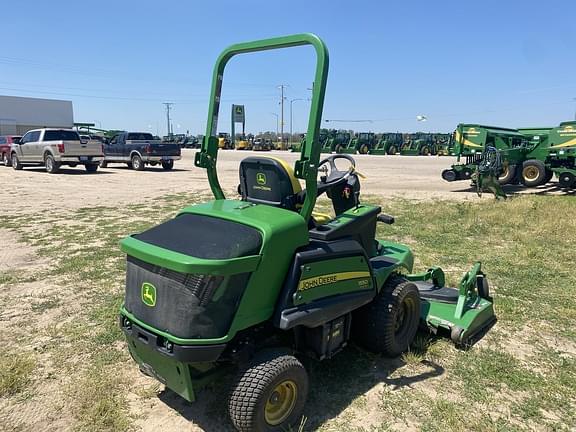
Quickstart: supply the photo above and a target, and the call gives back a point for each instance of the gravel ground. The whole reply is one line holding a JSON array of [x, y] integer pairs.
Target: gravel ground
[[415, 177]]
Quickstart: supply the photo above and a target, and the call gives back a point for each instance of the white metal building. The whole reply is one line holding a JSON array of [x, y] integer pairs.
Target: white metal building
[[20, 114]]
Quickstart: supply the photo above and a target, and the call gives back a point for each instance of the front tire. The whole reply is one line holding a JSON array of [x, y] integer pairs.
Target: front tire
[[137, 163], [103, 164], [269, 394], [392, 150], [50, 164], [6, 159], [363, 149], [389, 323], [167, 165]]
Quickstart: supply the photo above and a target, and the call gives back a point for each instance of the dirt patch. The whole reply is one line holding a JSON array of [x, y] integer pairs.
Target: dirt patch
[[15, 254]]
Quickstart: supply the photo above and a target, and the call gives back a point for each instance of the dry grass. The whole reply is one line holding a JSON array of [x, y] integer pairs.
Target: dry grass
[[529, 384]]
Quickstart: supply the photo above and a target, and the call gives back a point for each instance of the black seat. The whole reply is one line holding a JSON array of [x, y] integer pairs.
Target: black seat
[[269, 180]]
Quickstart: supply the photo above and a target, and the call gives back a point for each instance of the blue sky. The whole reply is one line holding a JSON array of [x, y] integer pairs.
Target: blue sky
[[508, 63]]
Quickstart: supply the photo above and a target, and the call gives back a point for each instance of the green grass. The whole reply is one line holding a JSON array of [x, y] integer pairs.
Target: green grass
[[15, 373], [99, 402], [522, 376]]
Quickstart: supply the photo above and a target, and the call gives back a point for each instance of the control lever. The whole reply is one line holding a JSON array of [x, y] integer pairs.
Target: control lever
[[357, 199], [387, 219]]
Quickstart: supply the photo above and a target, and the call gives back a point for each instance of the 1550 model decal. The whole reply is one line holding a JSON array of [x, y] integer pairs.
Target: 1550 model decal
[[332, 278]]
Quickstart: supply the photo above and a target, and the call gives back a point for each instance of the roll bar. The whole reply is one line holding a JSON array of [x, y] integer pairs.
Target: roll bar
[[306, 167]]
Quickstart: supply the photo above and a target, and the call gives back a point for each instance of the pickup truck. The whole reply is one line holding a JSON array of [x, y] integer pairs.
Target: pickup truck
[[5, 145], [54, 148], [138, 149]]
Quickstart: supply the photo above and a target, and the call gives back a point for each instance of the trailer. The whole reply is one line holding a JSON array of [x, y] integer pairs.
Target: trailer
[[470, 141], [553, 153]]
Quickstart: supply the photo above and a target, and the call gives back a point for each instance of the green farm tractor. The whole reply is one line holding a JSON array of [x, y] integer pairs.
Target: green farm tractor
[[388, 143], [362, 143], [337, 140], [443, 144], [254, 284], [418, 143]]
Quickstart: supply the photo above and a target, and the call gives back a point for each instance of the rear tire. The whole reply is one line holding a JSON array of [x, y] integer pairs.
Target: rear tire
[[549, 175], [167, 165], [425, 151], [50, 164], [338, 149], [91, 168], [389, 323], [137, 163], [16, 162], [392, 150], [269, 394], [533, 173]]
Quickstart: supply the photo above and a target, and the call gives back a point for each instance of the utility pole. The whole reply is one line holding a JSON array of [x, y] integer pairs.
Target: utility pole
[[281, 87], [168, 107]]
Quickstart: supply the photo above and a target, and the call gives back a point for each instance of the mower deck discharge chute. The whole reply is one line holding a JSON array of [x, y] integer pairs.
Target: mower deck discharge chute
[[251, 284]]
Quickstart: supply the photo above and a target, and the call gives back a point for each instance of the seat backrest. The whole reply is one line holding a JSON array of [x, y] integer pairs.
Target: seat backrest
[[268, 180]]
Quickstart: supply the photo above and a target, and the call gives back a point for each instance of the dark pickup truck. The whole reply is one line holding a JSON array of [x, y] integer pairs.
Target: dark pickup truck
[[138, 149]]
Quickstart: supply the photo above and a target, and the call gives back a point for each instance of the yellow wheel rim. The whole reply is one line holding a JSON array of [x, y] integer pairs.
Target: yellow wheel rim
[[530, 173], [281, 402]]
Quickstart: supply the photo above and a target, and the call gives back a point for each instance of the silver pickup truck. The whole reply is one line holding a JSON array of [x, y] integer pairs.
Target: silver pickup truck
[[54, 148]]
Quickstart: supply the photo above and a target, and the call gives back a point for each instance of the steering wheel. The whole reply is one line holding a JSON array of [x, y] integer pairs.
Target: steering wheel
[[334, 176]]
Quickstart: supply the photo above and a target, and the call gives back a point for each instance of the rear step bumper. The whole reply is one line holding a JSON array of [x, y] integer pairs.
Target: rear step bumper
[[182, 353]]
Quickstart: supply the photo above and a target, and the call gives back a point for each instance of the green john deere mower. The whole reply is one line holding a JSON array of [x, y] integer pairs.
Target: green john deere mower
[[252, 285]]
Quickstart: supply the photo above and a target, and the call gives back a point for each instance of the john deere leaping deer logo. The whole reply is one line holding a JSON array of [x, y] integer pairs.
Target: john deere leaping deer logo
[[261, 178], [148, 294]]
